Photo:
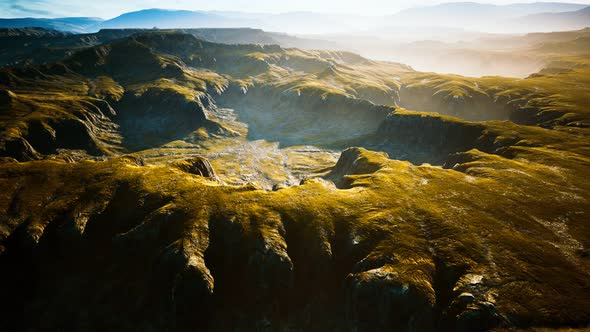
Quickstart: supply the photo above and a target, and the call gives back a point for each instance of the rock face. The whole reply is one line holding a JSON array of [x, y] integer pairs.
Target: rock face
[[20, 150], [379, 299], [421, 138], [303, 118], [48, 123], [6, 97], [434, 139], [158, 116], [252, 269], [352, 161], [474, 105], [197, 166]]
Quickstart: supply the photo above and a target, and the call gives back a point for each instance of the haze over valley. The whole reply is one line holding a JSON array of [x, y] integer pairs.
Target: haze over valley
[[467, 38]]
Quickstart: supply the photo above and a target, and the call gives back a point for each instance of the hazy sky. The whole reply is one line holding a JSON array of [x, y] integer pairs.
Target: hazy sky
[[112, 8]]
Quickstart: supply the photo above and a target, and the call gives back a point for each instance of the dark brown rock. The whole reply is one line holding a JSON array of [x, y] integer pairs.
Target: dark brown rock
[[197, 166]]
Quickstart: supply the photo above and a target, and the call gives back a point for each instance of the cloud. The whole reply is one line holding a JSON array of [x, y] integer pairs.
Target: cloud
[[20, 8], [25, 10]]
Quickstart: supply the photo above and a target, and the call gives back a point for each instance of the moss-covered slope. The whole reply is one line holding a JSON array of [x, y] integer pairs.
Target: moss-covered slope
[[491, 242], [112, 219]]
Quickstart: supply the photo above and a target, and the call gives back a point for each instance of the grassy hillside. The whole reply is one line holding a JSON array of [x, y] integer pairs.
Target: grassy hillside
[[163, 182]]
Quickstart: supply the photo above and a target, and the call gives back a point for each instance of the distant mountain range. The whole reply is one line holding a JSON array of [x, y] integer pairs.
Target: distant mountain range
[[464, 11], [165, 19], [559, 21], [474, 16], [69, 24], [293, 22], [492, 18]]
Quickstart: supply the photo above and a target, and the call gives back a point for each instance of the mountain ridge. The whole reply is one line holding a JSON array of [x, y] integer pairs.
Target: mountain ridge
[[167, 18], [68, 24], [559, 21], [456, 14]]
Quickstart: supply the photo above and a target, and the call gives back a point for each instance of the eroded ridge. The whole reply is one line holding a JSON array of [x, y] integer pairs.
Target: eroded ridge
[[162, 182], [297, 257]]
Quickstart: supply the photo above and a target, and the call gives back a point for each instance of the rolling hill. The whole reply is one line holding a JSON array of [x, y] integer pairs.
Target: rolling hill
[[163, 182]]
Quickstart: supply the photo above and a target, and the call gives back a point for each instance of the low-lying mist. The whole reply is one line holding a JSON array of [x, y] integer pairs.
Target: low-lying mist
[[477, 55], [465, 38]]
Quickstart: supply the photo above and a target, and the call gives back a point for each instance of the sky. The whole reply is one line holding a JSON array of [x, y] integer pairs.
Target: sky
[[110, 8]]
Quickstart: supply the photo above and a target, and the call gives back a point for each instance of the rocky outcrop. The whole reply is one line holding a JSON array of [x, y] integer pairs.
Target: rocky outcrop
[[380, 300], [252, 270], [54, 121], [423, 138], [19, 149], [352, 161], [75, 134], [6, 97], [197, 166], [420, 138], [467, 100], [156, 116]]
